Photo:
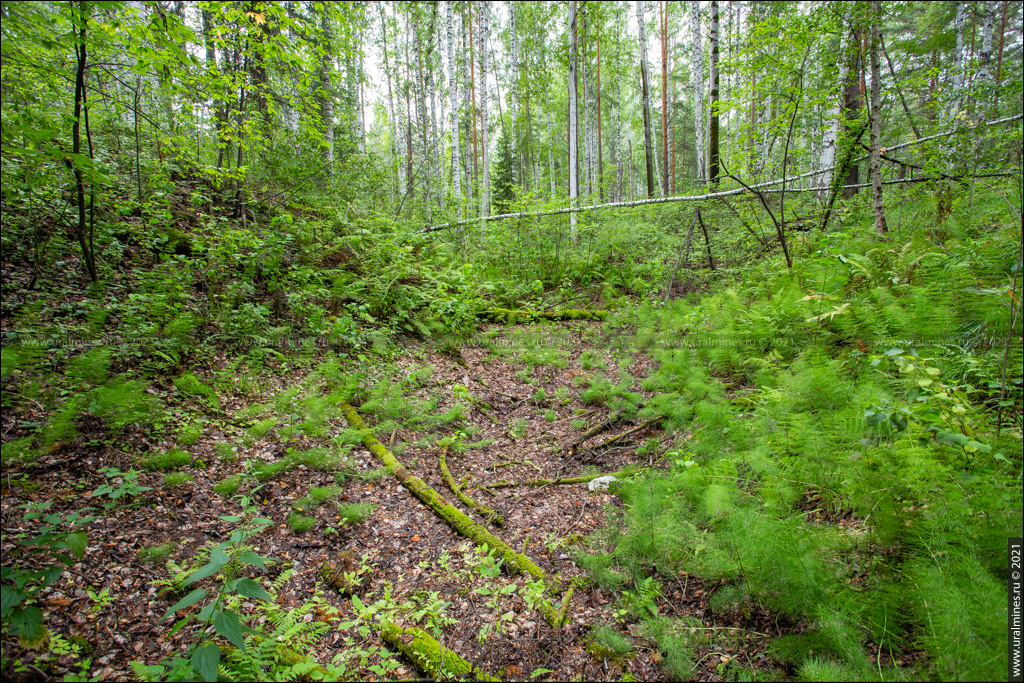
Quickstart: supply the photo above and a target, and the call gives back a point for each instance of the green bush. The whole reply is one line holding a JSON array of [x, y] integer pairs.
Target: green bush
[[168, 460]]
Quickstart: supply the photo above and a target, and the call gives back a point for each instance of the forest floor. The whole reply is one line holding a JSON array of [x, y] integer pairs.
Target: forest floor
[[434, 577]]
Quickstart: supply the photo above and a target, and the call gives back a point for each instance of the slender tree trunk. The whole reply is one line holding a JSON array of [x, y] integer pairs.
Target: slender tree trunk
[[513, 94], [663, 7], [1002, 40], [454, 114], [713, 130], [394, 133], [472, 94], [698, 91], [574, 189], [551, 147], [326, 94], [84, 241], [833, 122], [600, 157], [852, 106], [485, 194], [985, 54], [876, 120], [646, 92], [960, 65], [421, 120]]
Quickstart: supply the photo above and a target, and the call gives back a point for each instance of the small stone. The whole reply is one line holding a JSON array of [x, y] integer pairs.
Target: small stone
[[601, 483]]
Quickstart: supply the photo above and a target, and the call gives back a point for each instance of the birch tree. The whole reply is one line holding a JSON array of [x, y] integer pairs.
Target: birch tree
[[713, 128], [454, 113], [664, 97], [326, 95], [574, 189], [960, 62], [394, 132], [645, 81], [833, 121], [697, 67], [485, 193]]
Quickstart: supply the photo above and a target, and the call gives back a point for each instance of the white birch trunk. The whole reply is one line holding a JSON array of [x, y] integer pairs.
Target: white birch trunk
[[833, 121], [551, 149], [513, 92], [697, 67], [960, 66], [574, 189], [454, 113], [485, 194], [645, 77]]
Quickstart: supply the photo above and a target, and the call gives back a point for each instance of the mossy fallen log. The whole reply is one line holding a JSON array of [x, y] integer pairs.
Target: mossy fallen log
[[429, 656], [556, 482], [459, 521], [491, 516], [512, 317]]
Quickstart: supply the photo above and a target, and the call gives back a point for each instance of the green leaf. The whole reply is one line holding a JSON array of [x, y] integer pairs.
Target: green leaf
[[9, 598], [205, 661], [950, 438], [76, 544], [187, 601], [26, 622], [205, 571], [251, 589], [227, 624], [249, 557]]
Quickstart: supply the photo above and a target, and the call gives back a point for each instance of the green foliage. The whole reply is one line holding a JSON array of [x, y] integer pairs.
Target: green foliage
[[609, 642], [355, 513], [226, 563], [189, 434], [54, 544], [157, 554], [175, 479], [169, 460], [229, 485], [119, 485], [300, 523]]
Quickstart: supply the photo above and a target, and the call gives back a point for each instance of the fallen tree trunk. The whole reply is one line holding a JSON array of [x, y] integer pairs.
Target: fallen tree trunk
[[429, 656], [461, 523], [629, 432], [491, 516], [593, 431], [509, 316]]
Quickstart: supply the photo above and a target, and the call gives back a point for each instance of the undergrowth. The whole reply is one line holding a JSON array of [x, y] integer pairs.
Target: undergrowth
[[845, 469]]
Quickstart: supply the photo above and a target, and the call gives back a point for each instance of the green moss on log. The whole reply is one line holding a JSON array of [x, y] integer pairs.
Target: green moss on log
[[455, 518], [512, 317], [491, 516], [429, 656]]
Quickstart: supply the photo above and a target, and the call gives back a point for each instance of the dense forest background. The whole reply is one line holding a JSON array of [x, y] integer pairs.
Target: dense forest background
[[758, 262]]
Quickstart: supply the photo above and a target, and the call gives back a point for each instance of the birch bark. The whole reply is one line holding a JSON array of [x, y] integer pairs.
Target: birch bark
[[646, 93], [700, 147], [454, 113]]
